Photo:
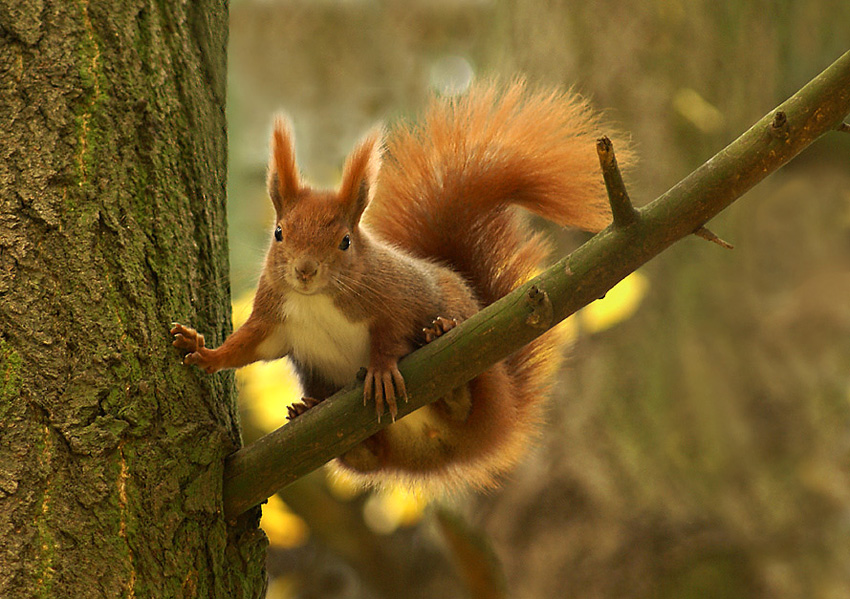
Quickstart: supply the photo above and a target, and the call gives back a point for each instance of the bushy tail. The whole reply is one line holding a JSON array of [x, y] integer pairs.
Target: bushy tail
[[447, 189], [447, 184]]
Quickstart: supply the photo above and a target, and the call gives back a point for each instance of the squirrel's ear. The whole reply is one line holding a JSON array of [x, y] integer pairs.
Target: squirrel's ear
[[360, 174], [283, 175]]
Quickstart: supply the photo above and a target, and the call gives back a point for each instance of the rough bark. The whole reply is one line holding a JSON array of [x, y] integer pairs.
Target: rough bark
[[112, 224]]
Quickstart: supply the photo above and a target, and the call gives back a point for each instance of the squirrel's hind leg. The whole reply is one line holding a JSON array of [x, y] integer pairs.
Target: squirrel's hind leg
[[296, 409]]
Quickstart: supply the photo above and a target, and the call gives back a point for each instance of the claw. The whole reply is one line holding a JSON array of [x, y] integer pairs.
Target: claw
[[398, 380], [439, 326], [389, 393], [373, 389], [368, 382], [384, 385], [186, 338], [296, 409]]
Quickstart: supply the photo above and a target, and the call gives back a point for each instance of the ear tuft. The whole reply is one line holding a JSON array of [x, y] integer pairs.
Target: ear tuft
[[283, 175], [360, 174]]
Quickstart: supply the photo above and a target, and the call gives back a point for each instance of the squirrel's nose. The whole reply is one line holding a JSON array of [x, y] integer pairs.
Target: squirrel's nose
[[306, 269]]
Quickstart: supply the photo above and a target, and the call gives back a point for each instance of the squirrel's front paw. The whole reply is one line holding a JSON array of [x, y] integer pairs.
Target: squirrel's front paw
[[190, 340], [186, 338], [381, 385]]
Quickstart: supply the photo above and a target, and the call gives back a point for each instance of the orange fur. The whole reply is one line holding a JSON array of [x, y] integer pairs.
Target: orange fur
[[361, 169], [283, 160]]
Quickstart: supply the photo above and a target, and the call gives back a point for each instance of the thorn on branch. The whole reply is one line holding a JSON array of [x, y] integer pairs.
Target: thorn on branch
[[621, 206], [542, 312], [844, 128], [779, 127], [704, 233]]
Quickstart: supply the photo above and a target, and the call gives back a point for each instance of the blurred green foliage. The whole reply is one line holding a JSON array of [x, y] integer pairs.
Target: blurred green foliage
[[701, 449]]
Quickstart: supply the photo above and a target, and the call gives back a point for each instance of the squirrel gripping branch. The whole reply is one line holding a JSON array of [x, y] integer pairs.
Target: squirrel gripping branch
[[412, 243]]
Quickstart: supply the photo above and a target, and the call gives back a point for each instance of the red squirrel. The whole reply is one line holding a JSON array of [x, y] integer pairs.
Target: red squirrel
[[421, 234]]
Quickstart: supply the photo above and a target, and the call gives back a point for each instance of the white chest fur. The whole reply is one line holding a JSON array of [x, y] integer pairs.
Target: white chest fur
[[323, 339]]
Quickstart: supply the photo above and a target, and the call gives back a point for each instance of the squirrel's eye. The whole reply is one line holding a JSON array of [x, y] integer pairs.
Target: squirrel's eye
[[278, 234], [345, 243]]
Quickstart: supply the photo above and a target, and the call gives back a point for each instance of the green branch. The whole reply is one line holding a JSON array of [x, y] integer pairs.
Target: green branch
[[255, 472]]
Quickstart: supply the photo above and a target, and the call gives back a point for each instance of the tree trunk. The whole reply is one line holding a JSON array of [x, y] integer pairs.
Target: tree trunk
[[112, 179]]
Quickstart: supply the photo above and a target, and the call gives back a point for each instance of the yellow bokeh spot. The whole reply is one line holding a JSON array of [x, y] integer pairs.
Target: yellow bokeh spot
[[282, 587], [265, 389], [283, 528], [619, 304], [242, 309], [698, 111]]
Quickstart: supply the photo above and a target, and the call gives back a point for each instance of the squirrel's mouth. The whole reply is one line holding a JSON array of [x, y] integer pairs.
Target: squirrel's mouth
[[305, 291], [311, 287]]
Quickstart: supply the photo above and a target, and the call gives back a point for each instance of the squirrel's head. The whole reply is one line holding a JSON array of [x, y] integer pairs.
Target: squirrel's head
[[316, 238]]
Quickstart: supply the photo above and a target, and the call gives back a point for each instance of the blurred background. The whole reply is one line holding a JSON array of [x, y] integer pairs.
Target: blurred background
[[699, 441]]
